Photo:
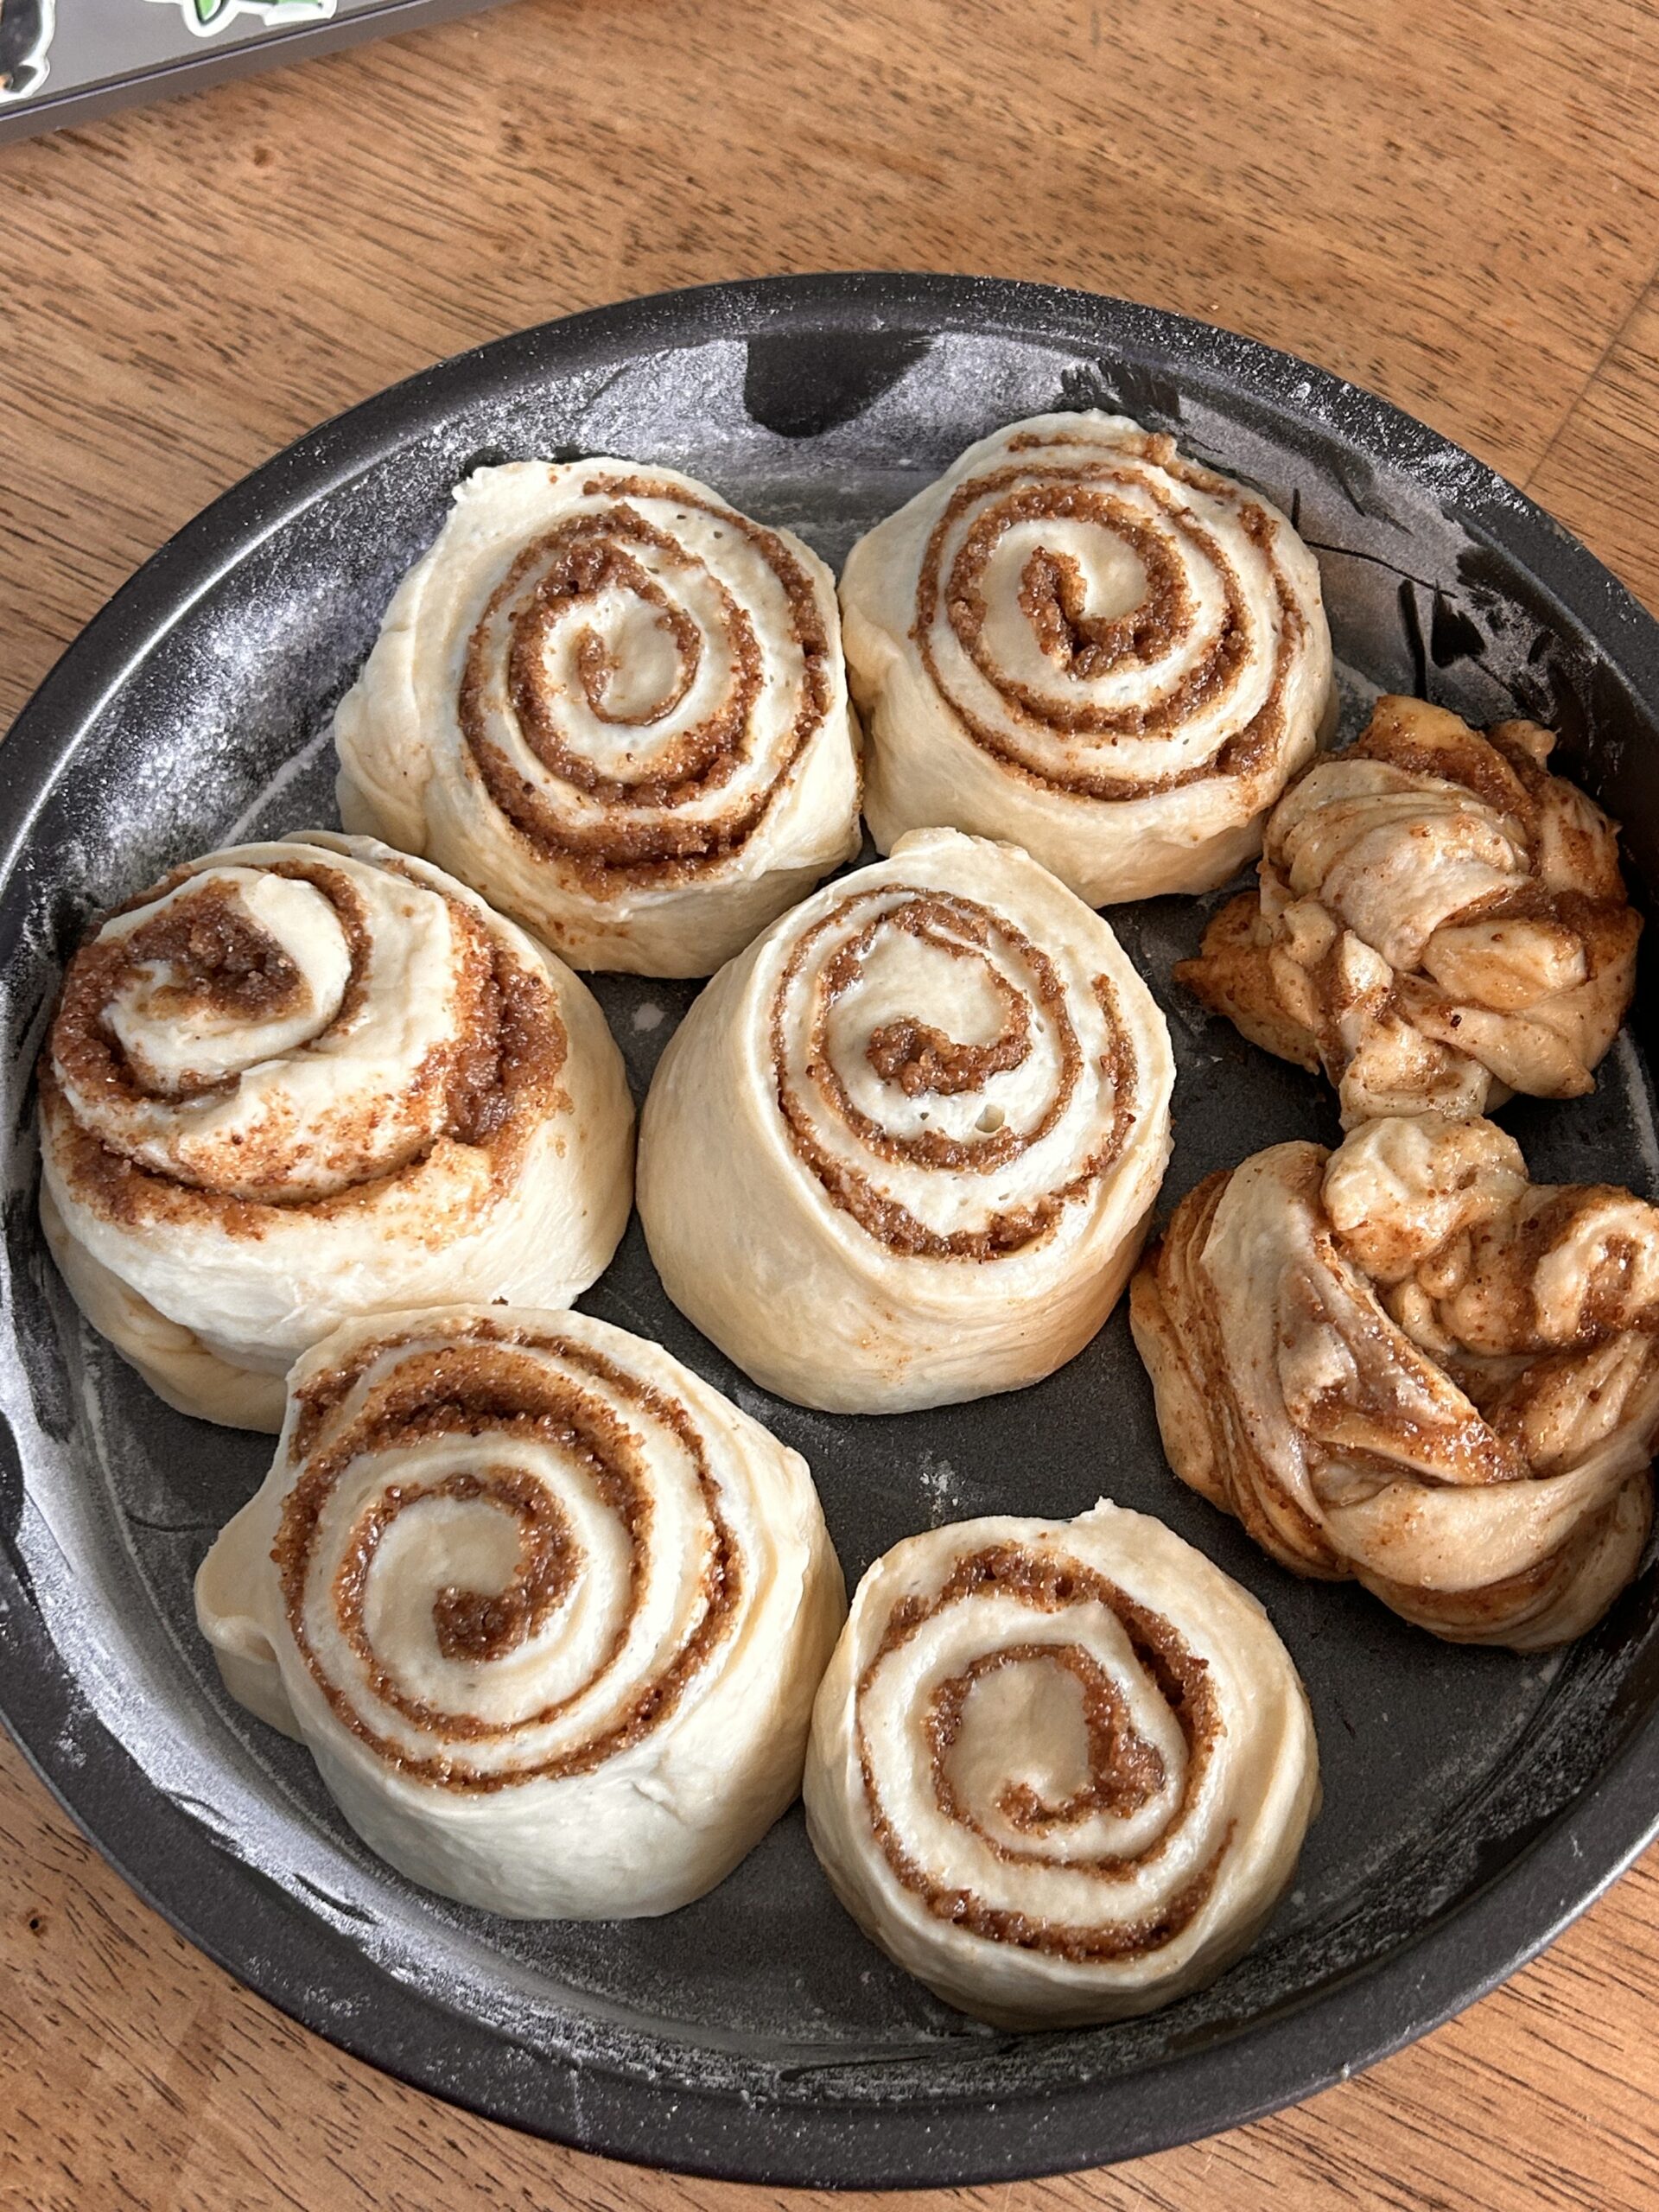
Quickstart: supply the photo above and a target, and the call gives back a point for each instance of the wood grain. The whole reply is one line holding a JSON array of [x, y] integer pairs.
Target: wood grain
[[1457, 203], [138, 2077]]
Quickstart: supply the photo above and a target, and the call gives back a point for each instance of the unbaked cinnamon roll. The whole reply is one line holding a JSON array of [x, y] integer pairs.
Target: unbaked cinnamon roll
[[298, 1082], [902, 1151], [1080, 639], [548, 1611], [1439, 922], [615, 707], [1059, 1770], [1402, 1362]]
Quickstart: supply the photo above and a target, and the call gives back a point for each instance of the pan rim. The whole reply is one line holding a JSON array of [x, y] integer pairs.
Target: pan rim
[[291, 1956]]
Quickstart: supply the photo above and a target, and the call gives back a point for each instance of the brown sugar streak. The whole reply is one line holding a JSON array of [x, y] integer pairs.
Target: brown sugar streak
[[499, 1078], [921, 1058], [1122, 1772], [225, 964], [1050, 598], [1125, 1771], [569, 565], [466, 1379]]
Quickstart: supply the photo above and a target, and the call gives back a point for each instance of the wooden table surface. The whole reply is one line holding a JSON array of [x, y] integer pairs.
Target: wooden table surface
[[1454, 202]]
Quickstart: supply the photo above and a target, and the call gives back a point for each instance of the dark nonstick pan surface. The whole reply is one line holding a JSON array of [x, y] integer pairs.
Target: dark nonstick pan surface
[[1474, 1800]]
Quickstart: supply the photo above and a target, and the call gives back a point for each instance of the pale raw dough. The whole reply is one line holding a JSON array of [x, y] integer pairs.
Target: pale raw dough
[[1030, 1868], [902, 1151], [550, 1611], [1438, 922], [1404, 1362], [227, 1176], [615, 707], [1080, 639]]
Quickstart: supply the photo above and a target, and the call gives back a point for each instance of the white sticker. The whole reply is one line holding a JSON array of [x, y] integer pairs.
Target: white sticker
[[26, 27]]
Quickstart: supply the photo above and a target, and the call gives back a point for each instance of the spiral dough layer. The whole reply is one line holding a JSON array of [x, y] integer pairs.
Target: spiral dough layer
[[1059, 1770], [1404, 1363], [614, 706], [1439, 922], [1081, 640], [302, 1081], [902, 1151], [548, 1610]]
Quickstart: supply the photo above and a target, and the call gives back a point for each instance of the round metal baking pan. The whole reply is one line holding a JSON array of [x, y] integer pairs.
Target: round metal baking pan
[[1474, 1800]]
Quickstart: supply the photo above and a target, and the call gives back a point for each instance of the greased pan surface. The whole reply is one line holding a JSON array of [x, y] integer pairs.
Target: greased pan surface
[[1473, 1800]]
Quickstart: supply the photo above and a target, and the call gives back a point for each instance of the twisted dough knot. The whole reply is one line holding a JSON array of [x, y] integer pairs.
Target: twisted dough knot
[[549, 1612], [1404, 1363], [302, 1079], [617, 708], [1081, 639], [1439, 922], [1060, 1770]]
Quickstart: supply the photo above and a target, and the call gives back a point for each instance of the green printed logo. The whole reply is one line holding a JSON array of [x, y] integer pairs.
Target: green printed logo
[[206, 17]]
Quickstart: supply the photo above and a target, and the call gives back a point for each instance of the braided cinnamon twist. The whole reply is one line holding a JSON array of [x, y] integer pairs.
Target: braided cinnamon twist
[[1059, 1770], [1439, 922], [902, 1152], [1402, 1362], [1081, 640], [301, 1081], [548, 1610], [617, 708]]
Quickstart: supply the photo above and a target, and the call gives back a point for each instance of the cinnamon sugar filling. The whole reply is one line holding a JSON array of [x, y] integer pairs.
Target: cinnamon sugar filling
[[651, 836], [916, 1058], [497, 1080], [1083, 647], [477, 1383], [1125, 1771]]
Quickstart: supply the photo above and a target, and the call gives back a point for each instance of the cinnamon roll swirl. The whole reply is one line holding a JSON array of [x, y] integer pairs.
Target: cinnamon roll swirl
[[1059, 1770], [1439, 922], [1080, 639], [548, 1611], [901, 1152], [298, 1082], [1403, 1362], [614, 706]]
